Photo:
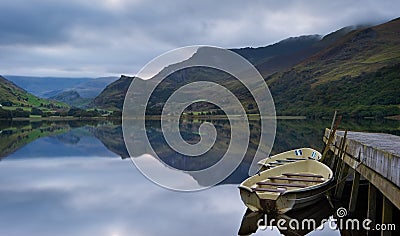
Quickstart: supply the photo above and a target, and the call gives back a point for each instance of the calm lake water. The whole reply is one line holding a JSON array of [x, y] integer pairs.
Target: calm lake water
[[76, 178]]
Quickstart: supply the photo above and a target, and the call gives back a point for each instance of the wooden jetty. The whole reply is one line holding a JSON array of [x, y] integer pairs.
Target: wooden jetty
[[374, 157]]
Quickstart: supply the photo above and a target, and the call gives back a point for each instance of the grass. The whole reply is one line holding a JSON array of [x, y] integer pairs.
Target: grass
[[14, 108]]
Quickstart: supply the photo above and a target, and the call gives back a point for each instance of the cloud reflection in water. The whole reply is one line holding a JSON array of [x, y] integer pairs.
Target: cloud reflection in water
[[102, 196]]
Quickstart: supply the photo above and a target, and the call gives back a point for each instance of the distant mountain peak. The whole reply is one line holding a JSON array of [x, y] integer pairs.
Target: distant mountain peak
[[112, 97]]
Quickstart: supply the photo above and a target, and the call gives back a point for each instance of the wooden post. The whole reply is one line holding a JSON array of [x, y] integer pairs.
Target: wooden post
[[330, 139], [336, 169], [354, 192], [342, 174], [371, 212], [387, 215], [335, 156], [333, 120], [342, 153]]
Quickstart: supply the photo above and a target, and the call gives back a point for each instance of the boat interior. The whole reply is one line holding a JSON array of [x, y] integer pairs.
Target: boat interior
[[290, 156], [291, 176], [288, 181]]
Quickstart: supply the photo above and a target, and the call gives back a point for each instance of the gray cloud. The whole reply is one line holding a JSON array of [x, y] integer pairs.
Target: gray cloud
[[110, 37]]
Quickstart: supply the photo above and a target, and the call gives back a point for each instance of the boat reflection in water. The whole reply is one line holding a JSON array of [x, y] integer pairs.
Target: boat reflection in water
[[300, 222]]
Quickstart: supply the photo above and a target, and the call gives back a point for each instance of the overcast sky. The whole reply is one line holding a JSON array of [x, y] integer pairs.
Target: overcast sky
[[112, 37]]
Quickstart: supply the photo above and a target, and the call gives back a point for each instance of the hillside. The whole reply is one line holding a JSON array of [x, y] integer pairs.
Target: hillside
[[281, 55], [112, 97], [72, 98], [358, 74], [371, 94], [12, 96]]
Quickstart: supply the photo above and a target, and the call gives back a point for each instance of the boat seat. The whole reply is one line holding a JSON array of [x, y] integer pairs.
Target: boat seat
[[275, 163], [282, 184], [303, 175], [296, 179], [268, 190], [295, 159], [285, 161]]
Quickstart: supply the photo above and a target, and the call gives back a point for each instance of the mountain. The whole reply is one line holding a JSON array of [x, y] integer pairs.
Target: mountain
[[72, 98], [12, 95], [281, 55], [47, 87], [112, 97], [267, 59], [354, 70], [358, 75], [291, 51], [93, 87]]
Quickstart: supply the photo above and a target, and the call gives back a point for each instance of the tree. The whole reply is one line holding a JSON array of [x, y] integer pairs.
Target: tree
[[5, 114], [74, 111], [6, 103], [36, 111]]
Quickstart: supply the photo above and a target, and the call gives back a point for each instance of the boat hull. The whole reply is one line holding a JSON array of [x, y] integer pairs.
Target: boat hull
[[283, 203]]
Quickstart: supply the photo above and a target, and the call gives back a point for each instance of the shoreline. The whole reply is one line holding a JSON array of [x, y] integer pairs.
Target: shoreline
[[158, 117], [197, 117], [58, 118]]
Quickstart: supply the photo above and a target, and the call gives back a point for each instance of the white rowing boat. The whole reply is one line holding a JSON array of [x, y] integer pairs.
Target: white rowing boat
[[286, 187]]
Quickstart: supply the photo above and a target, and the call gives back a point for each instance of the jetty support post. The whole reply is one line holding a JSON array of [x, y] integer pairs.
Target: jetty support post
[[354, 191]]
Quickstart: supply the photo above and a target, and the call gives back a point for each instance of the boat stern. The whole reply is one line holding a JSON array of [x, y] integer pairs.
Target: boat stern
[[252, 201]]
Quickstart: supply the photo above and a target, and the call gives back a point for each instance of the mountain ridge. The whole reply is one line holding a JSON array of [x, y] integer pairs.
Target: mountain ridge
[[293, 53], [370, 54], [72, 98], [46, 87], [112, 97], [298, 79]]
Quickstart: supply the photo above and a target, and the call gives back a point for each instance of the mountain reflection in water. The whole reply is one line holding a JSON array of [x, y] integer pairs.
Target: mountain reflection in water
[[74, 178]]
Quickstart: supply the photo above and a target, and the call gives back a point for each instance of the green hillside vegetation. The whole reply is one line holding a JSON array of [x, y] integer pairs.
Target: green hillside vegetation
[[358, 52], [112, 97], [17, 97], [16, 102], [72, 98], [373, 94], [358, 75]]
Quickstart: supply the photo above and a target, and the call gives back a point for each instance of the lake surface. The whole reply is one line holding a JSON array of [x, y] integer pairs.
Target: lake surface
[[76, 178]]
